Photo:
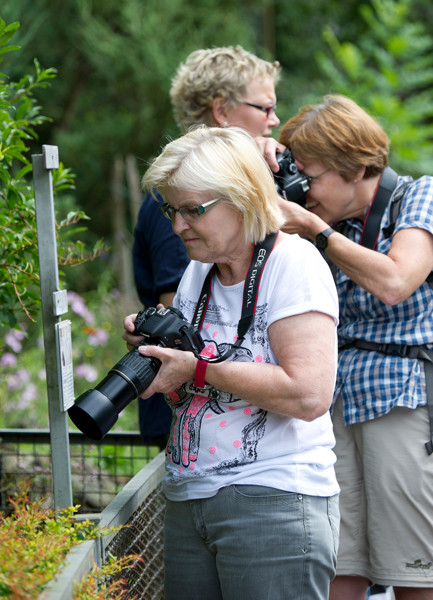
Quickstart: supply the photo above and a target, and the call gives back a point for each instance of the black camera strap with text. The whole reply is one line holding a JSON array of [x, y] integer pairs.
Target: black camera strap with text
[[261, 253]]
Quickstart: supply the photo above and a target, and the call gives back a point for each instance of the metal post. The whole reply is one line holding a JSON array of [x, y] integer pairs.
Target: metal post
[[54, 304]]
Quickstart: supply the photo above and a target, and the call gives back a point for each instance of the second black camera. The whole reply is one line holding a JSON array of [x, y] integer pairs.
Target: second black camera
[[290, 183]]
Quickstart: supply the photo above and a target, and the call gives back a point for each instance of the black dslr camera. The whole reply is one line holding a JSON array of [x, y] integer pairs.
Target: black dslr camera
[[290, 183], [96, 411]]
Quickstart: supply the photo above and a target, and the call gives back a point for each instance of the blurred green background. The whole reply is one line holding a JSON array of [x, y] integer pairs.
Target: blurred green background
[[109, 114]]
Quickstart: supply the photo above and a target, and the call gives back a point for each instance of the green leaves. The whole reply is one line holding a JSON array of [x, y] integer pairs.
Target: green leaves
[[6, 33], [389, 72], [20, 115], [34, 542]]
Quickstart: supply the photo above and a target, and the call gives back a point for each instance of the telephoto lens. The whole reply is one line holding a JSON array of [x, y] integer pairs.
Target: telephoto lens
[[96, 411]]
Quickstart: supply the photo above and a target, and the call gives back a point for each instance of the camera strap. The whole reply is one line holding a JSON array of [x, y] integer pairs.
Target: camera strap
[[260, 255], [370, 231]]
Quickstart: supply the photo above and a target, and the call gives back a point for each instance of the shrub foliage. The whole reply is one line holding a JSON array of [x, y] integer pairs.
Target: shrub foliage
[[19, 116], [34, 542]]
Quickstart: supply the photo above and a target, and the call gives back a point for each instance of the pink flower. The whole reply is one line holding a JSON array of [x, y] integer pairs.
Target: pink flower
[[98, 337], [88, 372], [8, 360], [14, 383], [18, 380], [28, 395], [79, 307], [13, 339]]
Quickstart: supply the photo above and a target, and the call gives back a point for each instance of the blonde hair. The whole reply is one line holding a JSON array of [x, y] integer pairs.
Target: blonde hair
[[211, 73], [339, 134], [224, 163]]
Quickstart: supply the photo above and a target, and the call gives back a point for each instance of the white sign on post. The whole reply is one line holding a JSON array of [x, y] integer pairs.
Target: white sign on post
[[66, 372]]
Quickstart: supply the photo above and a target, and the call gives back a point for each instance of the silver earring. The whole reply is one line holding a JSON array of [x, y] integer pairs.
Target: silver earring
[[225, 123], [355, 181]]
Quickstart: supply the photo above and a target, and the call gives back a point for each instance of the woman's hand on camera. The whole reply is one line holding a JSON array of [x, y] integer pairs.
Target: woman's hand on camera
[[177, 367], [269, 148], [129, 328]]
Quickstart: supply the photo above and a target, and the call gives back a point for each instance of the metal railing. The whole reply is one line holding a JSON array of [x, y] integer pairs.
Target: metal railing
[[99, 469], [140, 506]]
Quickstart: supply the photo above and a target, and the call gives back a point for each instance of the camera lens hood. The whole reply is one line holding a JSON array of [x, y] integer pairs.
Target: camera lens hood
[[93, 414]]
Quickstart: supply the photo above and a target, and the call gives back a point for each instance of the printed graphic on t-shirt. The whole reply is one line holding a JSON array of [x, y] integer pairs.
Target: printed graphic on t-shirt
[[233, 428]]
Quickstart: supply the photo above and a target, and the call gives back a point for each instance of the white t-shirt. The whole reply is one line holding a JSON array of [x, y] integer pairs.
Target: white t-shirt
[[217, 439]]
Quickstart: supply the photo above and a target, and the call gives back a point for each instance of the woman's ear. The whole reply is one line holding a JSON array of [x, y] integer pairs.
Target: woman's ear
[[219, 111], [360, 174]]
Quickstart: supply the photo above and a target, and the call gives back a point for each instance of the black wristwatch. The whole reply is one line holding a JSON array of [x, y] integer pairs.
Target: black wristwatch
[[322, 238]]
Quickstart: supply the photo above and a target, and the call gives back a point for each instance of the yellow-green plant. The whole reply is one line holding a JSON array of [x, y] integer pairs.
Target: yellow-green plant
[[104, 582], [34, 542]]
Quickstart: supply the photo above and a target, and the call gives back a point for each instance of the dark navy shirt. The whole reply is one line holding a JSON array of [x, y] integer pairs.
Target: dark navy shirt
[[159, 258], [159, 255]]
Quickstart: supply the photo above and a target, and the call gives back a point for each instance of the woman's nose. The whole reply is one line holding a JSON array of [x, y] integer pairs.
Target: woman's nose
[[179, 223], [274, 121]]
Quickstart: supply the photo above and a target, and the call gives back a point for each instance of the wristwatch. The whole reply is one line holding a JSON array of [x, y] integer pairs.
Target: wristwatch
[[322, 238]]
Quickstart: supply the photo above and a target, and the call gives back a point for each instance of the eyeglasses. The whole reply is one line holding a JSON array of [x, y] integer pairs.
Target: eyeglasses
[[189, 213], [317, 176], [267, 109]]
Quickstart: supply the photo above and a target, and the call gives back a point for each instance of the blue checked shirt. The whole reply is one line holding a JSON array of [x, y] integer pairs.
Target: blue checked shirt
[[371, 383]]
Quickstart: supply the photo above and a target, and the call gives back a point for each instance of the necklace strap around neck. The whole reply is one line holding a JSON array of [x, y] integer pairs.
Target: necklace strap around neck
[[260, 255]]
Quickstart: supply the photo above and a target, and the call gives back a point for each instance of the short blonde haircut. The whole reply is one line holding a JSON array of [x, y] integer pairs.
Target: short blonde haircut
[[222, 163], [215, 73], [339, 134]]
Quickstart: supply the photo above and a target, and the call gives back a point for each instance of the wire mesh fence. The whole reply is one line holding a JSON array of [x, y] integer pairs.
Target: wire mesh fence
[[143, 536], [99, 469]]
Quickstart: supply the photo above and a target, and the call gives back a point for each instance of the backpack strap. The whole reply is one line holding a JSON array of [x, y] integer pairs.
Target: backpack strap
[[370, 232], [394, 209]]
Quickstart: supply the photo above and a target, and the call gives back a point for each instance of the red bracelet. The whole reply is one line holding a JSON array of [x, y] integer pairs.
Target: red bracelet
[[200, 372]]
